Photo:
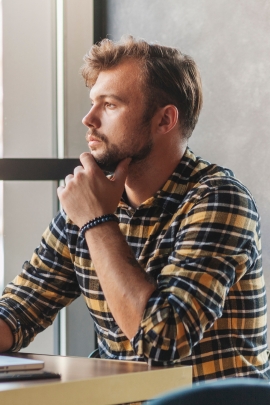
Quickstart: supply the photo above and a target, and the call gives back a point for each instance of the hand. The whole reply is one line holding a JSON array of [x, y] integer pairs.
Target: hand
[[89, 193], [7, 338]]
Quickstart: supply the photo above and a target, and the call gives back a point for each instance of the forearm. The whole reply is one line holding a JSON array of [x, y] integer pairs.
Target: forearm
[[89, 194], [47, 283], [124, 283], [6, 337]]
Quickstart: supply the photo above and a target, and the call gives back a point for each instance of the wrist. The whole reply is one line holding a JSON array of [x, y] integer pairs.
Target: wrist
[[98, 221]]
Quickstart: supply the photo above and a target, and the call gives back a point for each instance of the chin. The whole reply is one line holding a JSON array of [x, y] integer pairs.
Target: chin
[[107, 167]]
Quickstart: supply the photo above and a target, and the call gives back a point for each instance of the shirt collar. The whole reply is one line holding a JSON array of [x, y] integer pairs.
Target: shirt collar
[[174, 189]]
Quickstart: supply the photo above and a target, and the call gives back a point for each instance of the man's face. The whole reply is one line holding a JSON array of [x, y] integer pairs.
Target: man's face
[[115, 120]]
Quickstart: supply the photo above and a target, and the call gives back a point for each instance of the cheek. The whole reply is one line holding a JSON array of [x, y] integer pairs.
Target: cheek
[[113, 123], [122, 128]]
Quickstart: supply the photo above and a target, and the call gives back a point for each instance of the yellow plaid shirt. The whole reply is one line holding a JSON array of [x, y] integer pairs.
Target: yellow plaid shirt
[[199, 237]]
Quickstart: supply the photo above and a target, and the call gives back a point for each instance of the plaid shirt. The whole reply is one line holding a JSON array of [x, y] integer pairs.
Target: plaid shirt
[[199, 237]]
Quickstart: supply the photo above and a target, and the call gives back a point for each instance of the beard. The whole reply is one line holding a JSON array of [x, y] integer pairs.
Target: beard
[[113, 153]]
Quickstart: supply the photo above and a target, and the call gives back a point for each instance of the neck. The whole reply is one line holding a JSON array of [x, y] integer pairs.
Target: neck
[[146, 178]]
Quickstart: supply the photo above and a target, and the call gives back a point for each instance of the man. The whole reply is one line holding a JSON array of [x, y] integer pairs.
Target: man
[[179, 278]]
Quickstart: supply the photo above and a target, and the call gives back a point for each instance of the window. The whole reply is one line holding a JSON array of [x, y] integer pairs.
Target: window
[[41, 82]]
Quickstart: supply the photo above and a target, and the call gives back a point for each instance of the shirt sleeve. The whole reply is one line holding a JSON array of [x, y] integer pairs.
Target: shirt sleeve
[[216, 244], [46, 284]]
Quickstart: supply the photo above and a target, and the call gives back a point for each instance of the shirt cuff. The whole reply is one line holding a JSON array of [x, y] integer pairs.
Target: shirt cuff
[[161, 339]]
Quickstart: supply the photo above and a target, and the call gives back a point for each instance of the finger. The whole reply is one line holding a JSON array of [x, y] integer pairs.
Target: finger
[[68, 178], [77, 169], [59, 191], [86, 159], [121, 171]]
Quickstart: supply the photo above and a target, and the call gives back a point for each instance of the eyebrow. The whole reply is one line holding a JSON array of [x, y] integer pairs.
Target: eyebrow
[[121, 100]]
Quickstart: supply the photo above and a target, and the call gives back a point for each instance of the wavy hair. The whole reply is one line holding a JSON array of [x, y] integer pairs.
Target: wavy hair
[[170, 77]]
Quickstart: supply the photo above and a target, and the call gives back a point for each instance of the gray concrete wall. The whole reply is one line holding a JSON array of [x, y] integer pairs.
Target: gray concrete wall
[[230, 41]]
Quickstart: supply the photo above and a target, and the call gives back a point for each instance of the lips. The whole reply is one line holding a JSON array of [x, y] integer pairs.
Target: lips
[[93, 142], [92, 138]]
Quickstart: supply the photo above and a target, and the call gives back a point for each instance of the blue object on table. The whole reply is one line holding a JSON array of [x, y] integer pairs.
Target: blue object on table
[[233, 391]]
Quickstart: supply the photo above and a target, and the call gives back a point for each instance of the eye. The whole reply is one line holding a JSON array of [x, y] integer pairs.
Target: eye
[[110, 105]]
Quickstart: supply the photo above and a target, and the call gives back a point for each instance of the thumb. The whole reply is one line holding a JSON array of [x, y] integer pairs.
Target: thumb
[[121, 171]]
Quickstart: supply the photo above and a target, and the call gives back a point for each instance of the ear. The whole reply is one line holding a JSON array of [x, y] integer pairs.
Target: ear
[[167, 118]]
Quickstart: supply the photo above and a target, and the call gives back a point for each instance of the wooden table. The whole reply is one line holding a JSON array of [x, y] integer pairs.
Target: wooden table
[[94, 382]]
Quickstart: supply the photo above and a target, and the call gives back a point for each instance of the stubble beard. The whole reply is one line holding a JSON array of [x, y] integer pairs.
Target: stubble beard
[[113, 154]]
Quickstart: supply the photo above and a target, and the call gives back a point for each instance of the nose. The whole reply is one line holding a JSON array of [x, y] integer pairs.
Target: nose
[[91, 119]]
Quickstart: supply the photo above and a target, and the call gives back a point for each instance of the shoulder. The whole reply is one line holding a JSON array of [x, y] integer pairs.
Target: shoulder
[[206, 177]]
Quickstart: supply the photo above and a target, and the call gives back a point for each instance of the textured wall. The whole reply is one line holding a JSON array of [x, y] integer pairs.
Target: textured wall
[[230, 41]]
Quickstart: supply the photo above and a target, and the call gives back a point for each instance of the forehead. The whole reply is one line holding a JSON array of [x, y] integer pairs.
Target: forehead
[[125, 79]]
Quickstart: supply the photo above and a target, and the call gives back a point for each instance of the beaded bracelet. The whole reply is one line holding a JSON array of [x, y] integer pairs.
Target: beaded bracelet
[[97, 221]]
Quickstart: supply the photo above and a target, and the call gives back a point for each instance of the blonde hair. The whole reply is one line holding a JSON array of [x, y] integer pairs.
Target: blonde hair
[[170, 77]]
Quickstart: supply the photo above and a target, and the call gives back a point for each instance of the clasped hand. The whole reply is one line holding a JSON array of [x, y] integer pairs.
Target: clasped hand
[[88, 193]]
